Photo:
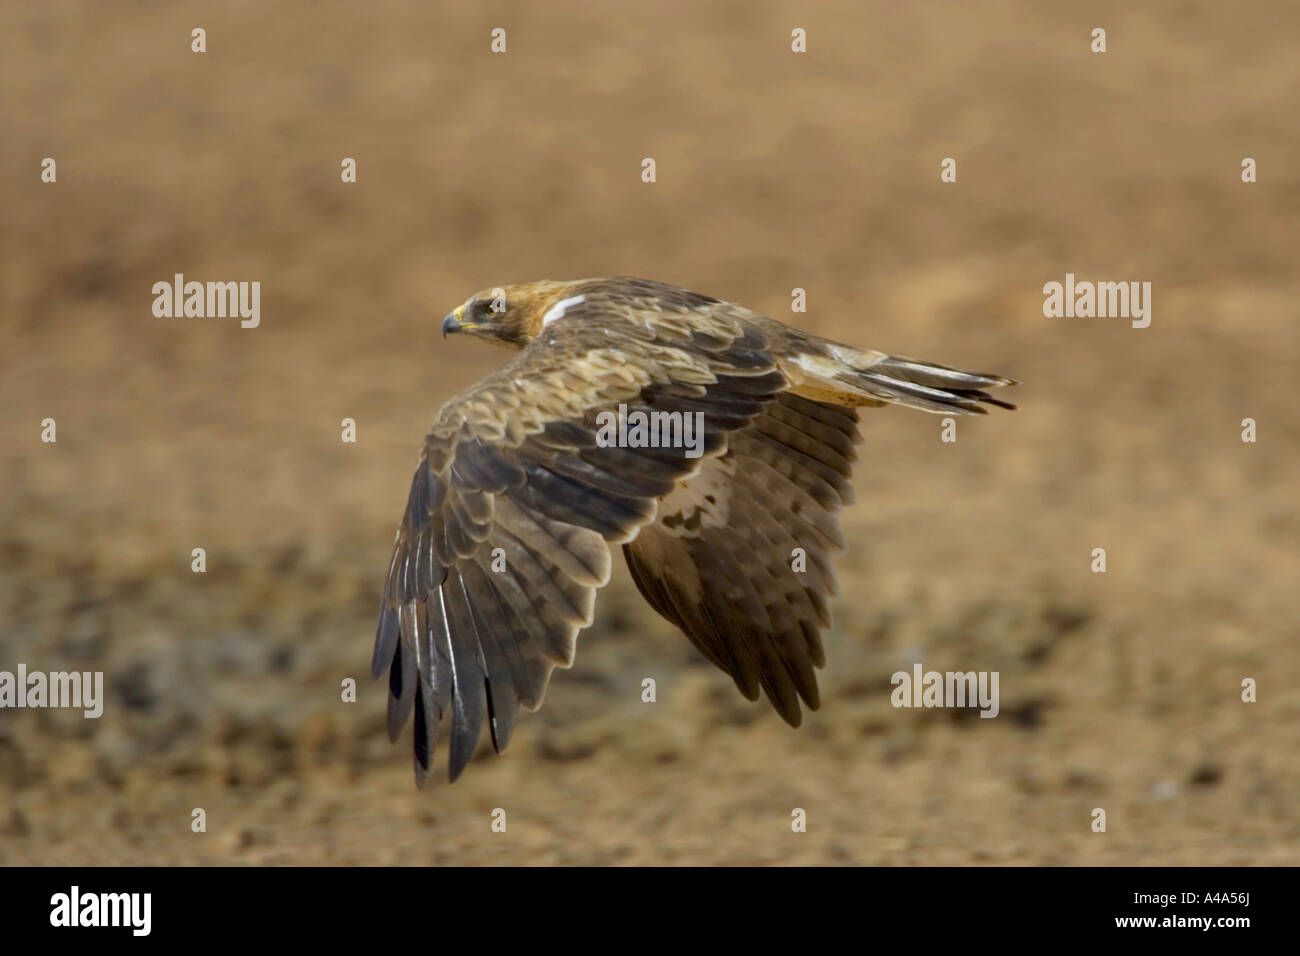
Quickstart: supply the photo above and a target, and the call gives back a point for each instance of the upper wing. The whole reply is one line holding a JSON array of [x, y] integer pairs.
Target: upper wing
[[503, 543], [740, 556]]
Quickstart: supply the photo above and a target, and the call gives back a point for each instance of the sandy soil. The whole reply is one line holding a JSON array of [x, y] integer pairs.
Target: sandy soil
[[1119, 690]]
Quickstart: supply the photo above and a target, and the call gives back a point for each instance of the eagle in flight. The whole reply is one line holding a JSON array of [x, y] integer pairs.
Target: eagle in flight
[[524, 483]]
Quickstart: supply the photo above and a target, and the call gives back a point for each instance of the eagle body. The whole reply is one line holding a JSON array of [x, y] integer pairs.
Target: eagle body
[[517, 497]]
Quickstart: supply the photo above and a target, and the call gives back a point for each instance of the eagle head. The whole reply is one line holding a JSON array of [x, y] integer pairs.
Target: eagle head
[[509, 315]]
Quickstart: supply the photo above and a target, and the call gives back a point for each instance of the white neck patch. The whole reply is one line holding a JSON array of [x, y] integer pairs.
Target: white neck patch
[[557, 311]]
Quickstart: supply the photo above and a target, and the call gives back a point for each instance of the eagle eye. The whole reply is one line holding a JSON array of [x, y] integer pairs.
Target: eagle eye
[[484, 310]]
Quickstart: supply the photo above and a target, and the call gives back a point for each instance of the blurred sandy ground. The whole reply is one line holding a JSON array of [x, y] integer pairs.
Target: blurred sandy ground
[[775, 171]]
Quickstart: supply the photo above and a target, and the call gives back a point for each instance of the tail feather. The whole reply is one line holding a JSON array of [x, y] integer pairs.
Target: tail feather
[[859, 377], [937, 376], [965, 401]]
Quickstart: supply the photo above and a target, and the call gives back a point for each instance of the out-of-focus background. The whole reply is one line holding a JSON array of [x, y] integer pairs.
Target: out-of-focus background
[[776, 170]]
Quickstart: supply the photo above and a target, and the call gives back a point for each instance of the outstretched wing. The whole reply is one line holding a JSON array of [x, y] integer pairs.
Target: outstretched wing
[[503, 543], [740, 555]]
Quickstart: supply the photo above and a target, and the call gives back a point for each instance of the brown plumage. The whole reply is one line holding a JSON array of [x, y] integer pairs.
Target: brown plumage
[[519, 493]]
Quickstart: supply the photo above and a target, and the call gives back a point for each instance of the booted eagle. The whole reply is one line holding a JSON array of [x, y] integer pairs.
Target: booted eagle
[[528, 477]]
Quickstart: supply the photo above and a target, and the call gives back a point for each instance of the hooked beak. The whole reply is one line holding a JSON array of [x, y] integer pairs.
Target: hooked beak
[[450, 323]]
